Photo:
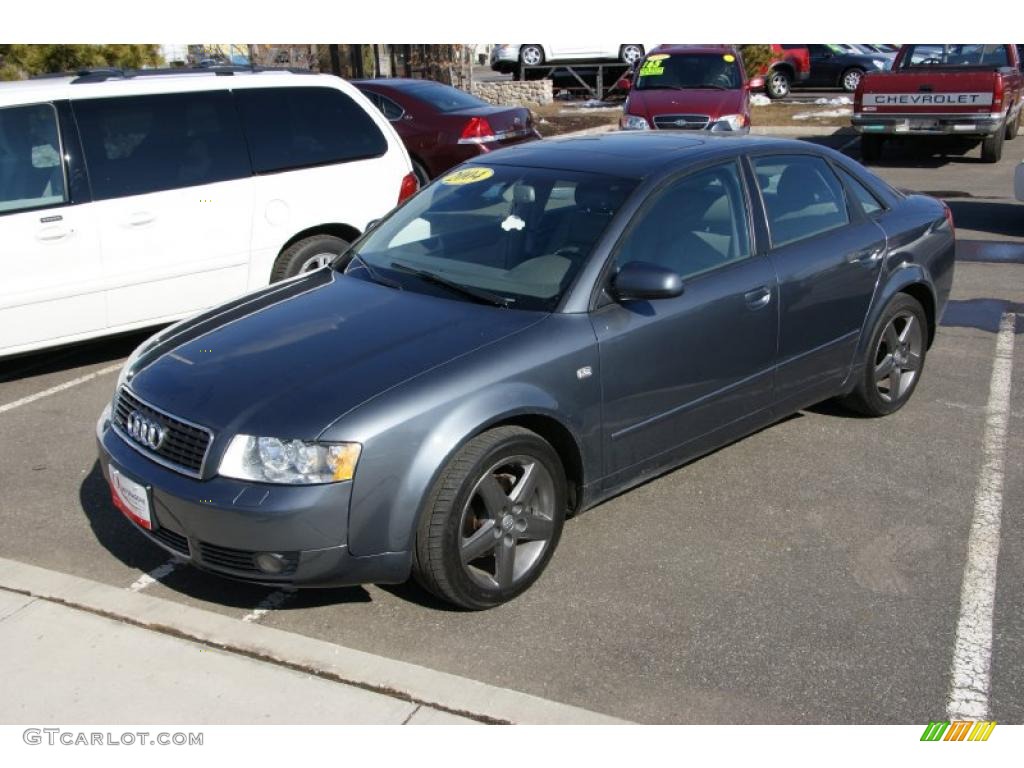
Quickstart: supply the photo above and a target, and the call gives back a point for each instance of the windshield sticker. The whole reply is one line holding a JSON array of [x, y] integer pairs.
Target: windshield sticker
[[652, 67], [729, 57], [513, 222], [657, 57], [468, 176]]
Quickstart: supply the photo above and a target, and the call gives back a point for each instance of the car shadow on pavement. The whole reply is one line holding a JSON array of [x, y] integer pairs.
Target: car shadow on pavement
[[119, 537], [934, 153], [72, 356]]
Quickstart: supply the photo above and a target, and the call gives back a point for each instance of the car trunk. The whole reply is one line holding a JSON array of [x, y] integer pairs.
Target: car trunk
[[928, 91]]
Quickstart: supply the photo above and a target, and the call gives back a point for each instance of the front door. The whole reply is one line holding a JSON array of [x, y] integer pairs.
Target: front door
[[684, 374]]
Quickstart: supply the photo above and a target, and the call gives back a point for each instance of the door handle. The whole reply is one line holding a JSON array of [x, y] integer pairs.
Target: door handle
[[869, 256], [758, 298], [52, 233], [141, 218]]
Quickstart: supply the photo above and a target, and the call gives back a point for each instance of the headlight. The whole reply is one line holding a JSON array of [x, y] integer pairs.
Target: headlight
[[729, 123], [633, 123], [292, 462]]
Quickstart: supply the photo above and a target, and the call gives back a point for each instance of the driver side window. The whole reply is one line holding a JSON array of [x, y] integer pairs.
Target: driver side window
[[697, 224]]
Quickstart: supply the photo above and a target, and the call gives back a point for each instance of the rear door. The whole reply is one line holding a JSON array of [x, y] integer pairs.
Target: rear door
[[828, 256], [173, 189], [682, 375], [49, 247]]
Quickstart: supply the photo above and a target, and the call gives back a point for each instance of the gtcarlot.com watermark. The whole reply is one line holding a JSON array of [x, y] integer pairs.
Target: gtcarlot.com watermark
[[61, 737]]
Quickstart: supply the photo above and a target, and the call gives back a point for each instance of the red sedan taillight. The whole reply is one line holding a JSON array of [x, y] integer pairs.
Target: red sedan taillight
[[477, 131], [410, 185]]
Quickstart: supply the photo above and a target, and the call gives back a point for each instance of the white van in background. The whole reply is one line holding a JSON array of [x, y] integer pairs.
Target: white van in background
[[129, 200]]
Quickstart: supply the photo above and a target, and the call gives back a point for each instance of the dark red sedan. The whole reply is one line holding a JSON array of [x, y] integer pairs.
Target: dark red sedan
[[443, 126]]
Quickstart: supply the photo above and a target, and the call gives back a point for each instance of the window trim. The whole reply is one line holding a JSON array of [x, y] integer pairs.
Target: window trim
[[600, 297], [852, 215], [63, 160]]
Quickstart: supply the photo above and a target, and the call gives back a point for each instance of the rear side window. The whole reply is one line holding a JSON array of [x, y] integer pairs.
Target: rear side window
[[301, 127], [31, 171], [802, 197], [388, 108], [139, 144], [444, 98], [868, 202]]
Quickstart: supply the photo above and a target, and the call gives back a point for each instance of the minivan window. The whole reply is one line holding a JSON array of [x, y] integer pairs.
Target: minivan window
[[301, 127], [802, 197], [139, 144], [31, 171]]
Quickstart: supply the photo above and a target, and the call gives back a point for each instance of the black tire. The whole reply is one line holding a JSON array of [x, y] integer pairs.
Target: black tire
[[871, 148], [1013, 128], [867, 398], [992, 146], [454, 506], [300, 256], [421, 174], [778, 84], [850, 79], [531, 54]]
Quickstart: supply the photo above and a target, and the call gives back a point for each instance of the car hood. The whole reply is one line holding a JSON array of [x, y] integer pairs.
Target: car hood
[[698, 101], [288, 361]]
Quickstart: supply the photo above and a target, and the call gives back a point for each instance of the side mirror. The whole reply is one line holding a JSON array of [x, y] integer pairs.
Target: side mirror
[[755, 84], [641, 281], [625, 82]]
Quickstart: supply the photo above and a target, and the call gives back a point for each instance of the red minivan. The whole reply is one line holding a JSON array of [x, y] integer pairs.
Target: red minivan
[[689, 88]]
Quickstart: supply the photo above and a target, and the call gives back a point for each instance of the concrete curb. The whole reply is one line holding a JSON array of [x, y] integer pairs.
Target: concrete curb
[[409, 682]]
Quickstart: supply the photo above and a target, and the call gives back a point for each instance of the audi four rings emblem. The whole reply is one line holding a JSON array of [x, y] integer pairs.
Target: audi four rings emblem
[[145, 430]]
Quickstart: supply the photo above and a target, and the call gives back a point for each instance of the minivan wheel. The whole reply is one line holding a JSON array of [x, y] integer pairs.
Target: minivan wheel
[[493, 519], [306, 255], [894, 359], [777, 85]]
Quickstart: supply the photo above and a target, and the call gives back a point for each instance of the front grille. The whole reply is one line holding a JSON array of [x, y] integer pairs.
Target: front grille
[[243, 560], [681, 122], [175, 541], [185, 445]]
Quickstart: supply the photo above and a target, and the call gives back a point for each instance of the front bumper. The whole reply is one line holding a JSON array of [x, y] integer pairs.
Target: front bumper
[[221, 524], [915, 125]]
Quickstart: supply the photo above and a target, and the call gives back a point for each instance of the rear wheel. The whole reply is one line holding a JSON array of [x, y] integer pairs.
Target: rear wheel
[[894, 359], [992, 146], [871, 148], [306, 255], [778, 84], [493, 520], [1012, 129], [851, 79]]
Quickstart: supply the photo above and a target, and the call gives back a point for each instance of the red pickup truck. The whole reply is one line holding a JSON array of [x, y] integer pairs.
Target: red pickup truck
[[942, 90]]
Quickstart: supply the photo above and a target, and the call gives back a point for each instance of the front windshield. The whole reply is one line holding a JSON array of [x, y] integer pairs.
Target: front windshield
[[520, 235], [935, 55], [689, 70]]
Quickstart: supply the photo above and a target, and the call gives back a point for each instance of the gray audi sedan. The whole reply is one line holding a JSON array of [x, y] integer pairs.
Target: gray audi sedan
[[534, 332]]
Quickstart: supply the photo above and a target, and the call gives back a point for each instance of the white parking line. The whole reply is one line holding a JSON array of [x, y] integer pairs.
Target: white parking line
[[155, 575], [59, 388], [269, 603], [972, 653]]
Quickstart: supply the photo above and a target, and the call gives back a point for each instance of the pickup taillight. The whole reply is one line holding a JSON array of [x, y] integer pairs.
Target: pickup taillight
[[997, 96]]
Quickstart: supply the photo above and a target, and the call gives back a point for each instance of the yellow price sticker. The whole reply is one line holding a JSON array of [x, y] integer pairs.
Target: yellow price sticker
[[729, 57], [657, 56], [468, 176], [652, 68]]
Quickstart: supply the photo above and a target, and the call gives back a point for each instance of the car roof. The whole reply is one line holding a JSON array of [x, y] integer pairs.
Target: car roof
[[681, 48], [398, 83], [110, 83], [631, 154]]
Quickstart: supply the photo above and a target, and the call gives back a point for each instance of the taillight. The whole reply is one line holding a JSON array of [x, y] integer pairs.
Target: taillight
[[949, 216], [410, 185], [997, 97], [477, 131]]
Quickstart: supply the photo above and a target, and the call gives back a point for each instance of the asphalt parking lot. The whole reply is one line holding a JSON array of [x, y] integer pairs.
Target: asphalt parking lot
[[810, 573]]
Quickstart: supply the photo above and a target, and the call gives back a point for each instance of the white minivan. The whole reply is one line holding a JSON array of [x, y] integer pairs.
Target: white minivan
[[129, 200]]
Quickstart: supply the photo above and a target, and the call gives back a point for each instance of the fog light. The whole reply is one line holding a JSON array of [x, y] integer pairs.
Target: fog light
[[271, 562]]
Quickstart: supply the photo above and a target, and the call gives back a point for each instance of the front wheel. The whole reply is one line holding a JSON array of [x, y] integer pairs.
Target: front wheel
[[894, 359], [851, 79], [778, 84], [493, 519]]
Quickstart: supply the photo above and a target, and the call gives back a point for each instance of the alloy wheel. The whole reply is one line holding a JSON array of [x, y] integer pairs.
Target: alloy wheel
[[532, 55], [316, 261], [852, 79], [631, 53], [898, 357], [507, 523], [778, 85]]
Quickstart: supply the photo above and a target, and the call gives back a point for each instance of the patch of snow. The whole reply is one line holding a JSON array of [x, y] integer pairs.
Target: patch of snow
[[822, 113], [837, 100], [760, 100]]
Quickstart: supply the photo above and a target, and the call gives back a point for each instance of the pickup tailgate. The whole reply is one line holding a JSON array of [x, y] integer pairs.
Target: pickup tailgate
[[927, 92]]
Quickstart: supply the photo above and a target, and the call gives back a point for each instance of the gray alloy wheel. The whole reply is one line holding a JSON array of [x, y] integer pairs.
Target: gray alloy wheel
[[777, 85], [316, 261], [630, 54], [851, 79], [493, 519], [894, 359], [898, 357], [531, 55]]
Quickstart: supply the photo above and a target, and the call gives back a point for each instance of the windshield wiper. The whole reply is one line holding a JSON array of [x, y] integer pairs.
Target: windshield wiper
[[477, 294], [374, 275]]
